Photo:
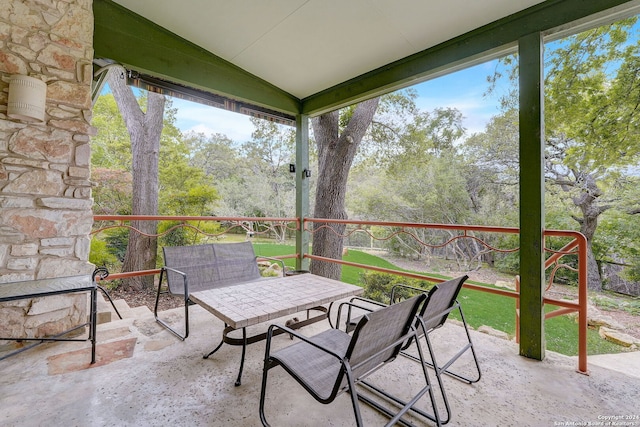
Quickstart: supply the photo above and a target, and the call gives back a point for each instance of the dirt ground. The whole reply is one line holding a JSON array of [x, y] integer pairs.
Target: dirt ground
[[630, 321]]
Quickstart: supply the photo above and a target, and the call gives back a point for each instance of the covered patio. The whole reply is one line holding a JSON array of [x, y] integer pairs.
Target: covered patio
[[145, 377]]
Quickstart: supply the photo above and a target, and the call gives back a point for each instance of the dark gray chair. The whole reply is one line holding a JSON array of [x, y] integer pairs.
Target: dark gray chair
[[440, 302], [334, 361], [199, 267]]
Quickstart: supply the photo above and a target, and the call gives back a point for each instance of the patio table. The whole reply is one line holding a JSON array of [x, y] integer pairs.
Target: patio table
[[246, 304], [49, 287]]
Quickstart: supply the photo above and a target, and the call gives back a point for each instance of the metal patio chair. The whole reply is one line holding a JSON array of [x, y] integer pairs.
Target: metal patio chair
[[334, 361], [440, 302], [199, 267]]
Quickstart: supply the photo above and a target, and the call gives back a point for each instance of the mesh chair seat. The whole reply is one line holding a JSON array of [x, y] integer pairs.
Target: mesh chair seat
[[333, 361]]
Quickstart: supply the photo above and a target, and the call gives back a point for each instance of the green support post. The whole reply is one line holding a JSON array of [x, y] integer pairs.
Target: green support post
[[532, 340], [302, 188]]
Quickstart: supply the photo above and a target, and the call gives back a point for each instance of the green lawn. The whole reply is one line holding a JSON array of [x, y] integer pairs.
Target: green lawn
[[480, 308]]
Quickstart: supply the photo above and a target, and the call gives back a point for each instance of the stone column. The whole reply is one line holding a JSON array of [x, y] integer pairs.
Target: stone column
[[45, 192]]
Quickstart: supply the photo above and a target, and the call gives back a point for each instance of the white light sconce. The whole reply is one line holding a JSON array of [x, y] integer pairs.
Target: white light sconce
[[27, 97]]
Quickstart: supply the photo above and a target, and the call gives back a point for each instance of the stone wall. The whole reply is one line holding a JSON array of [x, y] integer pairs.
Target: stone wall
[[45, 192]]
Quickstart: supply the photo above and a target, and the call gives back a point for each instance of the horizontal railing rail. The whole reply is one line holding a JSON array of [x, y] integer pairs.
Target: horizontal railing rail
[[577, 246]]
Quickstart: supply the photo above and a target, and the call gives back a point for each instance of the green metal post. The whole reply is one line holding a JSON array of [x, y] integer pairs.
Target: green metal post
[[531, 66], [302, 188]]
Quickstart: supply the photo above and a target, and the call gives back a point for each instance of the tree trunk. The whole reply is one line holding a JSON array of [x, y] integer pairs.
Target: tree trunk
[[335, 155], [587, 202], [145, 130]]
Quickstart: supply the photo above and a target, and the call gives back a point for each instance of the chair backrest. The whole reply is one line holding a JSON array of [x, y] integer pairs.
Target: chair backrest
[[235, 263], [210, 266], [378, 330], [440, 300]]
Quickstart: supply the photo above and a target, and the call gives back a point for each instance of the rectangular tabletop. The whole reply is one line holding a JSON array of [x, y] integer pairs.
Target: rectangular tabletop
[[43, 287], [250, 303]]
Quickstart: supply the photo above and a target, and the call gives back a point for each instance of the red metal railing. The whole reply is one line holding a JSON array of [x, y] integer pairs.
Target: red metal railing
[[576, 246]]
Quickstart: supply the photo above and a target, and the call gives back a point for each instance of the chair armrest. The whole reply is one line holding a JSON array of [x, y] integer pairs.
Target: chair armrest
[[350, 322], [298, 335], [184, 280]]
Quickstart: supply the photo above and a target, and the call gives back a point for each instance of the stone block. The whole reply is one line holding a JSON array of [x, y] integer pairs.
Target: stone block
[[618, 337], [23, 51], [7, 276], [23, 165], [41, 182], [48, 223], [83, 155], [28, 263], [59, 267], [59, 252], [73, 94], [12, 324], [65, 203], [11, 235], [33, 321], [4, 253], [72, 125], [82, 248], [27, 249], [15, 202], [76, 26], [35, 143], [57, 241], [55, 56], [79, 172], [12, 64], [55, 303]]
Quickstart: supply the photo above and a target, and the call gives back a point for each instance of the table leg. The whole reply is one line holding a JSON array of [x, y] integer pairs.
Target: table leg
[[244, 350]]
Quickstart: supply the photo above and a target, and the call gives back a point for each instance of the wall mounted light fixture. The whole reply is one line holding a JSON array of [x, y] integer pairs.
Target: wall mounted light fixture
[[27, 97]]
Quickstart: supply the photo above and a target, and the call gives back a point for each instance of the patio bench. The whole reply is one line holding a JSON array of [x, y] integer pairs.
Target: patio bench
[[194, 268]]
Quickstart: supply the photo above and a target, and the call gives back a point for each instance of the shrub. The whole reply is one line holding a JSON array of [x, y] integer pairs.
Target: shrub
[[377, 286], [101, 256]]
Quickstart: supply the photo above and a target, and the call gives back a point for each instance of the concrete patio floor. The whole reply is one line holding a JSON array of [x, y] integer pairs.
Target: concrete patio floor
[[146, 377]]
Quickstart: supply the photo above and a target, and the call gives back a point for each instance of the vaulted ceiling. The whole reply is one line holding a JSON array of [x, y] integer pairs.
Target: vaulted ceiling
[[309, 56]]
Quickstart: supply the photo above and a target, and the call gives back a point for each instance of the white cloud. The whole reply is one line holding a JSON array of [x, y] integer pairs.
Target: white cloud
[[209, 120]]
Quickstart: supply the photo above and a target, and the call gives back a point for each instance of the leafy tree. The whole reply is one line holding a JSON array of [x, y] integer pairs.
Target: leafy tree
[[592, 120], [144, 128], [110, 147]]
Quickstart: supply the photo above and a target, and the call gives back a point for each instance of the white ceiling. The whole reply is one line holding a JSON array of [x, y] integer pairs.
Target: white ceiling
[[306, 46]]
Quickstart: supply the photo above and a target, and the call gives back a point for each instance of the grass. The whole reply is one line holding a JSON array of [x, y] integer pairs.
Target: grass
[[480, 308]]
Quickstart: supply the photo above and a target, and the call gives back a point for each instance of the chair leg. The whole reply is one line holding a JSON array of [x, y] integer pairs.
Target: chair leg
[[165, 324], [263, 390], [396, 417], [354, 398]]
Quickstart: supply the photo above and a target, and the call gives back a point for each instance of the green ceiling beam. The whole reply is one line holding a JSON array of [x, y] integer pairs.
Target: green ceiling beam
[[493, 39], [141, 45]]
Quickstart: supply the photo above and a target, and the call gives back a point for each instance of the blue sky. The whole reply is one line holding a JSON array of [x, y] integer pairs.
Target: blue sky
[[464, 90]]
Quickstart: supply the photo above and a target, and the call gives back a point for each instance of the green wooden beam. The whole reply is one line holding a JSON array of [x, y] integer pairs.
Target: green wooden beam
[[141, 45], [532, 275], [302, 188], [492, 40]]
